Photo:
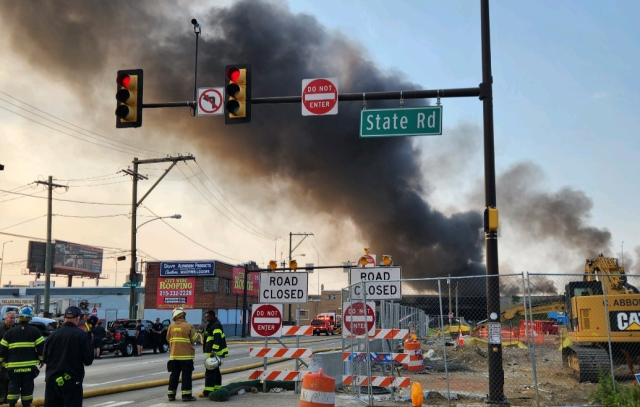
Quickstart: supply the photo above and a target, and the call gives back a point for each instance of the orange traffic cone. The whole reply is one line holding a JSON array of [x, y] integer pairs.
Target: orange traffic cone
[[417, 395], [460, 340]]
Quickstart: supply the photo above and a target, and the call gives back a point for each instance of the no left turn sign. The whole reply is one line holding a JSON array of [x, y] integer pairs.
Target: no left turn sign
[[210, 101], [319, 96]]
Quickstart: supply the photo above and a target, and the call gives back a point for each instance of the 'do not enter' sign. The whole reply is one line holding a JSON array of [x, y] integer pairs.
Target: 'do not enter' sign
[[319, 96], [358, 318], [266, 321]]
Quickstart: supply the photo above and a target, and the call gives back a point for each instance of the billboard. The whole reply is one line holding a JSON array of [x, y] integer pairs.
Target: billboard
[[176, 292], [68, 258], [253, 282], [187, 268]]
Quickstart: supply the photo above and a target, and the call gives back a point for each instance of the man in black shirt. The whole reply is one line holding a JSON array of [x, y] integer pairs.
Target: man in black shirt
[[156, 333], [66, 352], [97, 335]]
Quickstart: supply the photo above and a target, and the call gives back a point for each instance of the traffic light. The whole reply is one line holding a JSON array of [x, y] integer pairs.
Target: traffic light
[[237, 94], [129, 97]]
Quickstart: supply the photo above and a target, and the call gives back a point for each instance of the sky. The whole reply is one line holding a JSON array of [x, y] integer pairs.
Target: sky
[[566, 97]]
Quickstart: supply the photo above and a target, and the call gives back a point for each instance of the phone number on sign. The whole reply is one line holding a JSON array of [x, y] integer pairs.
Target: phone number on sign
[[175, 293]]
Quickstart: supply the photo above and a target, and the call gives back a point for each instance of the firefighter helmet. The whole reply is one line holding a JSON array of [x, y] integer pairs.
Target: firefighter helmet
[[212, 362], [25, 313], [177, 313]]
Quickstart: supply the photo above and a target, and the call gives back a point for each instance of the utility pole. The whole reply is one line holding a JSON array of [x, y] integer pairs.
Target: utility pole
[[291, 249], [48, 259], [133, 277]]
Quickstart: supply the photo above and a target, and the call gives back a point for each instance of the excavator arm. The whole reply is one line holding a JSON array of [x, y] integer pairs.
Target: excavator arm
[[536, 309]]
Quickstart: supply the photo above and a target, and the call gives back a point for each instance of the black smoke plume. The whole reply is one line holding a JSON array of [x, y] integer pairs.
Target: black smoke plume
[[375, 183]]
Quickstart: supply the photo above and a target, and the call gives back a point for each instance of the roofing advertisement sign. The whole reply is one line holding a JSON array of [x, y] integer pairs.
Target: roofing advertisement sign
[[176, 292], [187, 268], [253, 282]]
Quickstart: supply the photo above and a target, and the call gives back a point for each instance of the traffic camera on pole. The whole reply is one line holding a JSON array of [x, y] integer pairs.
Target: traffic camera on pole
[[129, 97], [237, 96]]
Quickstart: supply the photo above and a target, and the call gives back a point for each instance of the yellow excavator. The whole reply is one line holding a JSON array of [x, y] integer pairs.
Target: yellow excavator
[[603, 319]]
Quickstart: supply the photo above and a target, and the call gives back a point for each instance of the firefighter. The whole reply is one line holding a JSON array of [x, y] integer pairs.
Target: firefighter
[[9, 321], [214, 344], [21, 353], [181, 335]]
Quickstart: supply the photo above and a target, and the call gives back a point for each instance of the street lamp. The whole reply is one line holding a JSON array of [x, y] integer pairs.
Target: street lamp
[[176, 216], [132, 271], [2, 260]]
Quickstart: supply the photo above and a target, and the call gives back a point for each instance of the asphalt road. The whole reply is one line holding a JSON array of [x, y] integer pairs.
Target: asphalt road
[[112, 370]]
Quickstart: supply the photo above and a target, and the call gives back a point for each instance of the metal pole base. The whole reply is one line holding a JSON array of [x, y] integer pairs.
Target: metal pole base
[[497, 403]]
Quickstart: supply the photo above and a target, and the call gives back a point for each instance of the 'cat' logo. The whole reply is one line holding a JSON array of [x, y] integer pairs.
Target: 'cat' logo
[[628, 321]]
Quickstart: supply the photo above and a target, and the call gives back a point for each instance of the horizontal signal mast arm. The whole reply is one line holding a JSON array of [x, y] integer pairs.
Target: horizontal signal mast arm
[[394, 95]]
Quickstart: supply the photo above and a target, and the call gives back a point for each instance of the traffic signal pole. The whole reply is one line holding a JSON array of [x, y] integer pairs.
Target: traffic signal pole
[[496, 395]]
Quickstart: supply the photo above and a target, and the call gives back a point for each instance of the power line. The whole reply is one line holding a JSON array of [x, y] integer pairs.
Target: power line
[[68, 200], [37, 217], [157, 153], [92, 217], [222, 213], [191, 240], [23, 196], [223, 197]]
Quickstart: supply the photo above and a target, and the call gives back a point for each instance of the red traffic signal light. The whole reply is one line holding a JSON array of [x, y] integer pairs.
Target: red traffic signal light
[[129, 97], [237, 94]]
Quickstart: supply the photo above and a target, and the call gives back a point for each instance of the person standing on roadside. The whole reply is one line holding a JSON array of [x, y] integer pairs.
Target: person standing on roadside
[[97, 335], [141, 331], [9, 321], [214, 344], [66, 352], [156, 335], [21, 353], [181, 335]]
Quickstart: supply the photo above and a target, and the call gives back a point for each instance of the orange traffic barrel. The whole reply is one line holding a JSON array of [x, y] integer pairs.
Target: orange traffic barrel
[[414, 349], [318, 390]]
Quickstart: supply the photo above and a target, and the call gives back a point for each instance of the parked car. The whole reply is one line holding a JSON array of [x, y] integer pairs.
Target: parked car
[[121, 337], [322, 326]]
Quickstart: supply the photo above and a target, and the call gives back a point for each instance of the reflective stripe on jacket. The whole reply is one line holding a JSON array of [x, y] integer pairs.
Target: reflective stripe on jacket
[[181, 335], [215, 340], [21, 347]]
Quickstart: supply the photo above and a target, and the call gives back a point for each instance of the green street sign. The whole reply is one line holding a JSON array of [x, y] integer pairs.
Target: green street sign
[[132, 284], [404, 121]]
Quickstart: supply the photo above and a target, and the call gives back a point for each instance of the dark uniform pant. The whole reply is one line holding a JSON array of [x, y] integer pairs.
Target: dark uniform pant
[[68, 395], [4, 385], [21, 384], [176, 368], [212, 380]]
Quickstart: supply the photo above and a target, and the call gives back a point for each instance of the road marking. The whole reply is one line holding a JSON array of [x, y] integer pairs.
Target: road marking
[[113, 403], [85, 384]]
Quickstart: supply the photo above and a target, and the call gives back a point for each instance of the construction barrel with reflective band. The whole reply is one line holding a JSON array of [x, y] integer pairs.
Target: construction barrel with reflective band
[[414, 349], [181, 335], [318, 390]]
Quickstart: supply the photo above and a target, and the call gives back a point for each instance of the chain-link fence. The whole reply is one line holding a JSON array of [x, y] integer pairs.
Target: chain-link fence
[[557, 334]]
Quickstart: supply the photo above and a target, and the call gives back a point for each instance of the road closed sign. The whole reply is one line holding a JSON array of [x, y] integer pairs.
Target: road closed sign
[[266, 321], [319, 96], [382, 283], [279, 288]]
